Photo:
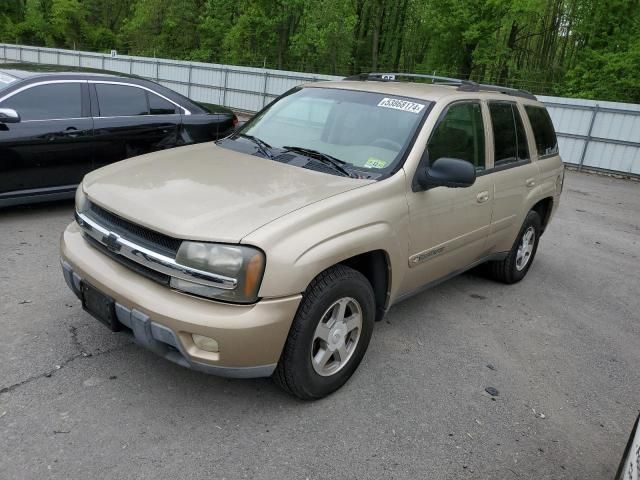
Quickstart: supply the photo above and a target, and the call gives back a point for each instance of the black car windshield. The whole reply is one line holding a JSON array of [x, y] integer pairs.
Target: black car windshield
[[6, 80], [368, 131]]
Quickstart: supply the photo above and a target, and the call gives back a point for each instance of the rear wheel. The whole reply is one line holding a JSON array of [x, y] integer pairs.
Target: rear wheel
[[329, 335], [517, 263]]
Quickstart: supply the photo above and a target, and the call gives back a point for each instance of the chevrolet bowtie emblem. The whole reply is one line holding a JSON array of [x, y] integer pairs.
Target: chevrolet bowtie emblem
[[112, 242]]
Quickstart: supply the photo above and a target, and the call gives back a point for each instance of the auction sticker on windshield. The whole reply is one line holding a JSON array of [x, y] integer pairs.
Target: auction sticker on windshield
[[374, 162], [403, 105]]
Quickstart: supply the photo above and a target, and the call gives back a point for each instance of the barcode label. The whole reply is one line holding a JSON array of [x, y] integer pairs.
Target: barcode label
[[403, 105]]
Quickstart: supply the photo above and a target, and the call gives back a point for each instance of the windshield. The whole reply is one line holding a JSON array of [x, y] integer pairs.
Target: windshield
[[5, 80], [367, 131]]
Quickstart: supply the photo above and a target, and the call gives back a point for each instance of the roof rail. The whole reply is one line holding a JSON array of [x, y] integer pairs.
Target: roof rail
[[392, 77], [463, 85], [516, 92]]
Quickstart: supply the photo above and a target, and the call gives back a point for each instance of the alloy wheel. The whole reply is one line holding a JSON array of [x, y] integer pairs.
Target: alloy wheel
[[336, 336]]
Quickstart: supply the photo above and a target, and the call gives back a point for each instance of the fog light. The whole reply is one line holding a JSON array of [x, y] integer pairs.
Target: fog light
[[207, 344]]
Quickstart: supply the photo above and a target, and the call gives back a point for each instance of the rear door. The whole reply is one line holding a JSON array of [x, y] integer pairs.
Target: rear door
[[513, 173], [130, 120], [51, 146]]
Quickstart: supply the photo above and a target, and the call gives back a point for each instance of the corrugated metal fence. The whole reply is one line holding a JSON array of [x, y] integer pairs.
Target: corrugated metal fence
[[592, 135]]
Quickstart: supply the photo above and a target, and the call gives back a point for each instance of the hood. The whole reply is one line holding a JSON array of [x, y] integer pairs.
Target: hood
[[205, 192]]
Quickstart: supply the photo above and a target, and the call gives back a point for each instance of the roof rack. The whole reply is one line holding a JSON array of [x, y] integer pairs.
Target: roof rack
[[463, 85]]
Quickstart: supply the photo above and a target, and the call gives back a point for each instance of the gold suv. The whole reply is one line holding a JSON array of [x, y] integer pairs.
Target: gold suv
[[272, 252]]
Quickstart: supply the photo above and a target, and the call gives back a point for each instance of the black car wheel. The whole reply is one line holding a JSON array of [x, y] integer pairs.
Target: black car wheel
[[517, 263], [329, 335]]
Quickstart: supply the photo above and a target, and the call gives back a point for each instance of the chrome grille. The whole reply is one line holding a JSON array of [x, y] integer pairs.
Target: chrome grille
[[151, 274], [150, 251], [155, 241]]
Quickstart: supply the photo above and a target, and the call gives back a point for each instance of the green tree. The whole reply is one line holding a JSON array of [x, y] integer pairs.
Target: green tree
[[164, 28], [586, 48], [68, 19], [606, 64], [324, 38]]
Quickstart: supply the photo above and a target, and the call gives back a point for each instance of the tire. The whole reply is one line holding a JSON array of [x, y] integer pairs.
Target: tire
[[511, 269], [311, 367]]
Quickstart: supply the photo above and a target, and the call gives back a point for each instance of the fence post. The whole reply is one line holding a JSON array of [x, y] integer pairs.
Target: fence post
[[588, 139], [38, 50], [130, 65], [189, 86], [157, 70], [224, 87], [264, 90], [103, 56], [20, 53]]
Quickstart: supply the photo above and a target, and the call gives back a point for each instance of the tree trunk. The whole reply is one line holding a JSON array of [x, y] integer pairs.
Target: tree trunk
[[466, 66], [402, 15], [511, 43], [358, 35], [375, 41]]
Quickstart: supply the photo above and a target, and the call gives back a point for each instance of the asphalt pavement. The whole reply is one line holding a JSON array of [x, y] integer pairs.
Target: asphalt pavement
[[561, 349]]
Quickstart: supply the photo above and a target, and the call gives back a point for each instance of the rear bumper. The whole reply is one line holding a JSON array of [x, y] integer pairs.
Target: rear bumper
[[250, 337]]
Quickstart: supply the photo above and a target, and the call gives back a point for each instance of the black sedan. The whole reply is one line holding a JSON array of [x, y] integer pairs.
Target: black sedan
[[58, 123]]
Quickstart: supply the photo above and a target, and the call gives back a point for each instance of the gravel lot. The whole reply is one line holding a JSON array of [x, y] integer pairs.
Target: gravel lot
[[563, 346]]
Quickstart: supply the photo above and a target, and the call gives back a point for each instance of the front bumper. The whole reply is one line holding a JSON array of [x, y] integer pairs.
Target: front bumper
[[250, 337]]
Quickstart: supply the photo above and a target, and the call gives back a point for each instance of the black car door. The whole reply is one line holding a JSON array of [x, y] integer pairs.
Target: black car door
[[50, 148], [130, 120]]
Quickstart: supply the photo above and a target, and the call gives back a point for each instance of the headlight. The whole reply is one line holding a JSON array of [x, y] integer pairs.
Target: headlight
[[81, 200], [243, 264]]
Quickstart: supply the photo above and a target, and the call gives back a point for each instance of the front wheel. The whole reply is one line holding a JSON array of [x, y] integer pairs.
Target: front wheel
[[517, 263], [329, 335]]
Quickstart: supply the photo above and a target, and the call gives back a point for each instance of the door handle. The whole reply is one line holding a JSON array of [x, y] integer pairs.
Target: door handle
[[482, 197], [71, 132], [531, 182]]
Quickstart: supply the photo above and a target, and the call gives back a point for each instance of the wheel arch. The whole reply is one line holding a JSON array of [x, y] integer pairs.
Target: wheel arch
[[376, 267], [544, 208]]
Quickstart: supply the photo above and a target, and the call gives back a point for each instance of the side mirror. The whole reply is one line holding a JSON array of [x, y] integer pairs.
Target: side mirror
[[9, 115], [447, 172]]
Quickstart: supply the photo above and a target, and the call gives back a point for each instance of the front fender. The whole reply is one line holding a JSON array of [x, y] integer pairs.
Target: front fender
[[306, 242]]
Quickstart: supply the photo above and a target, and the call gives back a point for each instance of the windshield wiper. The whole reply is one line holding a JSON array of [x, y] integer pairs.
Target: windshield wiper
[[263, 146], [325, 158]]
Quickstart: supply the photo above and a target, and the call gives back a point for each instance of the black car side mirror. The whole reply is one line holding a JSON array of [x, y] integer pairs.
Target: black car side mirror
[[9, 115], [447, 172]]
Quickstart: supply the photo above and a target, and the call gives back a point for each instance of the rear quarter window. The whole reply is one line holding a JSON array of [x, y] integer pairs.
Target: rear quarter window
[[543, 131]]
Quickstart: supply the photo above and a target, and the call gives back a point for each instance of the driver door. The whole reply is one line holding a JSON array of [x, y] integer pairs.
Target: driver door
[[449, 226], [51, 147]]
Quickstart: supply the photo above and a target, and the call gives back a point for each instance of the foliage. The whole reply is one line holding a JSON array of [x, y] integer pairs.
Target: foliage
[[586, 48]]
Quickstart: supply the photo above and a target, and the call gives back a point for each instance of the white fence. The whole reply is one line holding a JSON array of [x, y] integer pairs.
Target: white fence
[[592, 135]]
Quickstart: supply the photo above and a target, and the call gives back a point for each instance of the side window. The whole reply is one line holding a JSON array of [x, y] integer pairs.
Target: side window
[[121, 100], [509, 138], [460, 134], [160, 106], [543, 131], [48, 102]]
